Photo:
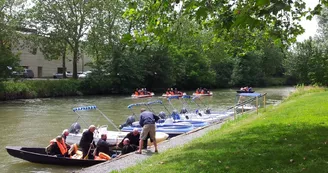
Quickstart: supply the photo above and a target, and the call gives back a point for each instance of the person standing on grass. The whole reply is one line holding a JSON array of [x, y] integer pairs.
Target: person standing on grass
[[147, 122]]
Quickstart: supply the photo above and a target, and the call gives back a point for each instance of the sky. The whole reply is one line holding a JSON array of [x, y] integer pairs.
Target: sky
[[309, 26]]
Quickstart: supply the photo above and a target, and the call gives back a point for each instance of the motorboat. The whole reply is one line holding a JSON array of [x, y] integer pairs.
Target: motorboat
[[113, 137], [169, 126], [151, 94], [177, 95], [203, 94]]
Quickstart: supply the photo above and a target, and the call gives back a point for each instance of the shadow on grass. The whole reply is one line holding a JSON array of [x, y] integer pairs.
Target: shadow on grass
[[273, 148]]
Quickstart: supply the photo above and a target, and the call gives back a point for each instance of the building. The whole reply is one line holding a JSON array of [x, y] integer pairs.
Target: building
[[34, 59]]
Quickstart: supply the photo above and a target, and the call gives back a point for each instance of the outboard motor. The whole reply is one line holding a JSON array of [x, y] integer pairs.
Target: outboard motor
[[183, 111], [162, 115], [208, 111], [128, 122], [75, 128]]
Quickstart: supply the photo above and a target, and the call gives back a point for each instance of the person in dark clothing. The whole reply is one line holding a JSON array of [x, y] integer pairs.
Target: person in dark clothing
[[86, 142], [103, 146], [128, 148], [134, 137], [147, 122]]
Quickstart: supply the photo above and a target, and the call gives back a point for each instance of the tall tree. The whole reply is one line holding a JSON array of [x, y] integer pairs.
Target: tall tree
[[9, 24], [68, 21]]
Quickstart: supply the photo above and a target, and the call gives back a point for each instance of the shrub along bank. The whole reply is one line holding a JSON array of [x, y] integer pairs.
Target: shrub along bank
[[290, 137]]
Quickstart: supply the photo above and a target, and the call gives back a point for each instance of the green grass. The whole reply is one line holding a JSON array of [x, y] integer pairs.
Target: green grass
[[291, 137]]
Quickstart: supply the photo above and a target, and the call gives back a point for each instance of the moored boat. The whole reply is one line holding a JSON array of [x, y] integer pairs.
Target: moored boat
[[39, 155], [113, 137]]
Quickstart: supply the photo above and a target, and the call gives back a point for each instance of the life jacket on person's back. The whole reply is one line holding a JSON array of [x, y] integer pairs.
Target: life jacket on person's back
[[171, 92], [61, 145]]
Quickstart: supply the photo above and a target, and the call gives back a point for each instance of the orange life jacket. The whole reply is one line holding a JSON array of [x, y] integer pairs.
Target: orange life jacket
[[136, 93], [171, 92], [61, 145], [167, 93]]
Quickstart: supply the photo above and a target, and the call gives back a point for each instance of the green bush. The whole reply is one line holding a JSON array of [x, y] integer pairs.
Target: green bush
[[10, 90]]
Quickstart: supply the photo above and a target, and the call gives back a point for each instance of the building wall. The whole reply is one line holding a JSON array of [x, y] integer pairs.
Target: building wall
[[45, 68]]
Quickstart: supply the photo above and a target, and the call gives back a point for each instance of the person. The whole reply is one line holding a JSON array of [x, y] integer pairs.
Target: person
[[103, 146], [65, 134], [147, 122], [133, 137], [250, 89], [57, 147], [128, 148], [86, 142]]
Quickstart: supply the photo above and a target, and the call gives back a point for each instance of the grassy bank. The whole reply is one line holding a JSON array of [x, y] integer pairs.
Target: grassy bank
[[291, 137]]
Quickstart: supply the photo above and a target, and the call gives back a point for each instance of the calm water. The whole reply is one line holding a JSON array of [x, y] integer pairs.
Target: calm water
[[35, 122]]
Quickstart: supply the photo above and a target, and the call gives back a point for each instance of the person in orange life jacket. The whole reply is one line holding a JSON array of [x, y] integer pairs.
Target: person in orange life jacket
[[58, 147], [87, 142], [103, 146]]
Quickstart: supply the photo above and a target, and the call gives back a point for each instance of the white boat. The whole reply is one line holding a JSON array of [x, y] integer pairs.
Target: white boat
[[113, 137]]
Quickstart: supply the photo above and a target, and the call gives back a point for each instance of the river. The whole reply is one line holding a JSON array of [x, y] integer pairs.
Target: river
[[35, 122]]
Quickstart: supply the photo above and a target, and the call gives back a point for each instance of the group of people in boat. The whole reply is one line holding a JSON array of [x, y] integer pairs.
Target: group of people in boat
[[202, 91], [141, 91], [171, 91], [100, 151], [246, 89]]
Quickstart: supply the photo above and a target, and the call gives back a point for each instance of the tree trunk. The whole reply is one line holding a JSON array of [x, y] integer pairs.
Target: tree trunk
[[75, 56], [64, 63]]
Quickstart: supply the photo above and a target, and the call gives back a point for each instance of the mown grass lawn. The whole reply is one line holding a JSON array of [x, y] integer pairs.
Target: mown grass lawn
[[291, 137]]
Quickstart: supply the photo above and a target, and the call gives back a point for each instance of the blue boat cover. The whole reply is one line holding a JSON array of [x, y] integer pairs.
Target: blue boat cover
[[186, 97], [249, 94], [84, 108], [136, 104], [173, 97], [155, 102]]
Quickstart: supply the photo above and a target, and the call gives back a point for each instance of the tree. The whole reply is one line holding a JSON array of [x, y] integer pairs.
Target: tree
[[8, 37], [68, 21]]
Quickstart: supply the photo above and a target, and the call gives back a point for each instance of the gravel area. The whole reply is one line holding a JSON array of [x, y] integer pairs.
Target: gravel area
[[132, 159]]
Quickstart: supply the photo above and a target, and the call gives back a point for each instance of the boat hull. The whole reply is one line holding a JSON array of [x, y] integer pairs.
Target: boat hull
[[174, 95], [142, 96], [209, 94], [38, 155], [239, 91]]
